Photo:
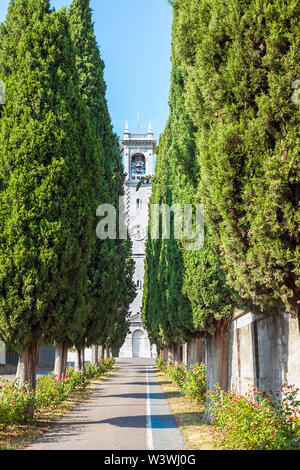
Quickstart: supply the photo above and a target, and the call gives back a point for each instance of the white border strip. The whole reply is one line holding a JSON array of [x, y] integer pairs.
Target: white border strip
[[149, 436]]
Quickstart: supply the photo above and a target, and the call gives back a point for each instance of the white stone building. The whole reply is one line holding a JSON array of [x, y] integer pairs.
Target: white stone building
[[138, 151]]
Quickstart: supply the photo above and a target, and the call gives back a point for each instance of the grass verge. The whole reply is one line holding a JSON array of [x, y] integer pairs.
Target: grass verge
[[19, 436], [189, 416]]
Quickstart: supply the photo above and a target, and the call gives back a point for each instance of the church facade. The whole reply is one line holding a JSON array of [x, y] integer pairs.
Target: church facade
[[138, 151]]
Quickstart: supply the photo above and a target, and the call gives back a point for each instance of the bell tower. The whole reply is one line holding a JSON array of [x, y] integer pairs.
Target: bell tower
[[138, 151]]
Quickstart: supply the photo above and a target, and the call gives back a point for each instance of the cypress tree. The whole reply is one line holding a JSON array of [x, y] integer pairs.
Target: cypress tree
[[110, 288], [241, 59], [49, 183], [186, 292]]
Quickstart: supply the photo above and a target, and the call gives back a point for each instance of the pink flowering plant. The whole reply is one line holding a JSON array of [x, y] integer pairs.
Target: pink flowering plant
[[176, 373], [51, 390], [14, 403], [258, 420], [192, 381]]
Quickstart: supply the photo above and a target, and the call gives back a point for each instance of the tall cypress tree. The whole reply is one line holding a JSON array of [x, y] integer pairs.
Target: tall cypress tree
[[240, 60], [191, 283], [111, 287], [49, 186]]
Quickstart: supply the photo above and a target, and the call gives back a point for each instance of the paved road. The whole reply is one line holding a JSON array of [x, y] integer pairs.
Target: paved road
[[127, 412]]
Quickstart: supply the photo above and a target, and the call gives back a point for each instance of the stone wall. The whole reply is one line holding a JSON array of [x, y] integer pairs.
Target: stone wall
[[46, 357], [264, 352], [249, 351]]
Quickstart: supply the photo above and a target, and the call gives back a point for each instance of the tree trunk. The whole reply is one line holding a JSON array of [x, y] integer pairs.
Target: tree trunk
[[106, 352], [78, 360], [95, 355], [177, 355], [218, 355], [101, 352], [194, 350], [82, 364], [61, 358], [217, 360], [27, 369], [171, 354], [185, 354]]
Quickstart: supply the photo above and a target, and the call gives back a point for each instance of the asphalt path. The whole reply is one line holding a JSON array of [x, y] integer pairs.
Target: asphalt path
[[128, 411]]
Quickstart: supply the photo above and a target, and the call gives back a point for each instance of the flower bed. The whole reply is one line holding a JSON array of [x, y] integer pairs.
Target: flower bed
[[257, 420], [14, 403], [51, 390], [192, 382]]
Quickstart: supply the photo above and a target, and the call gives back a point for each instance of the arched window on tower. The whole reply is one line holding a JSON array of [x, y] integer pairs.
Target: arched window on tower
[[139, 204]]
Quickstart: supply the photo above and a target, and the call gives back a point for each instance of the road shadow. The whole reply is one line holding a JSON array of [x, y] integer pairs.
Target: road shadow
[[144, 383], [142, 396], [66, 431]]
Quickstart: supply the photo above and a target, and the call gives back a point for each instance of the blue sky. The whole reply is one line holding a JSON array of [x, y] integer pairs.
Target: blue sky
[[134, 37]]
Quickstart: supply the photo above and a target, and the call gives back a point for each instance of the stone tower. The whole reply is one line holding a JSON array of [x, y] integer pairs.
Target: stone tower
[[138, 151]]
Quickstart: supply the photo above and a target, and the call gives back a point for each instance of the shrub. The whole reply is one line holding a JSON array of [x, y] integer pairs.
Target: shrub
[[76, 379], [159, 362], [176, 373], [257, 420], [90, 371], [14, 403], [51, 390], [194, 382]]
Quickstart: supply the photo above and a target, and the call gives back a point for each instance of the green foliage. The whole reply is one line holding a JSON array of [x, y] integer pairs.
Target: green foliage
[[231, 144], [239, 60], [185, 291], [94, 372], [76, 379], [110, 271], [176, 373], [49, 178], [51, 391], [192, 381], [257, 421], [14, 403]]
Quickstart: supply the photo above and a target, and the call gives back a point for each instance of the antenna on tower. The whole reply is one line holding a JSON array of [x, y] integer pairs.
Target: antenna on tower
[[138, 121]]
